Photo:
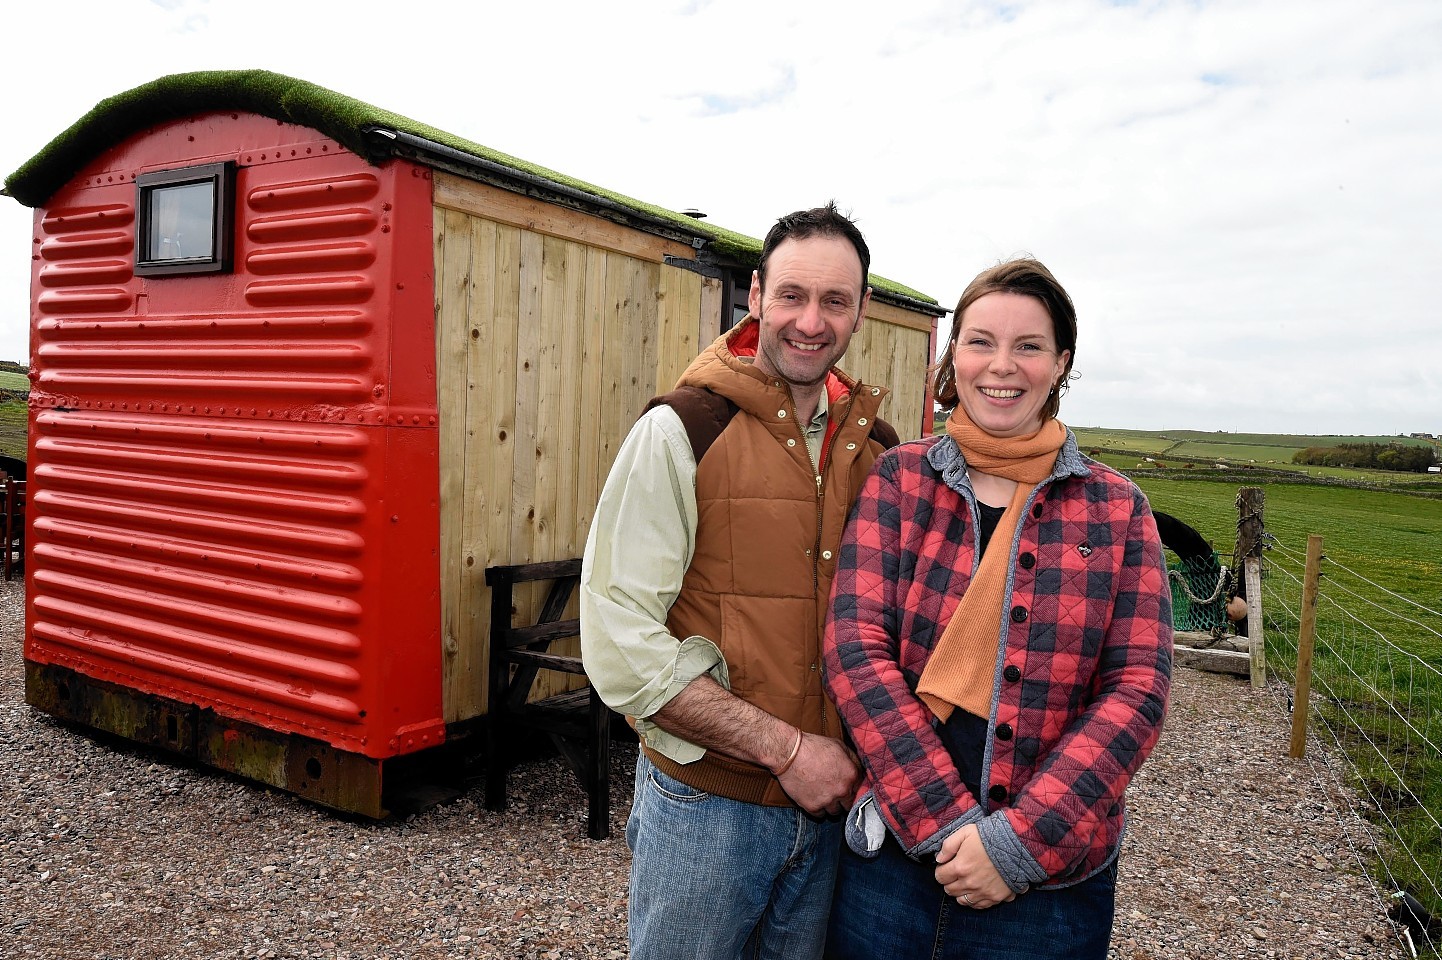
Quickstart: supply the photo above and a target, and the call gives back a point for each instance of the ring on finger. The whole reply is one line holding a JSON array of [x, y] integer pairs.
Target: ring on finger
[[966, 899]]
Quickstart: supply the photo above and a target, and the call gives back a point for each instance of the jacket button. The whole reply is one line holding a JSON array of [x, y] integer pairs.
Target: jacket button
[[876, 391], [1027, 561], [1003, 731], [861, 422], [997, 793], [1012, 673], [825, 554], [1036, 510], [851, 446], [781, 414], [1018, 614], [791, 441]]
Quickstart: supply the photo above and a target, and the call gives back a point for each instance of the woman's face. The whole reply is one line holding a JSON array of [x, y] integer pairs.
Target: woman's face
[[1006, 362]]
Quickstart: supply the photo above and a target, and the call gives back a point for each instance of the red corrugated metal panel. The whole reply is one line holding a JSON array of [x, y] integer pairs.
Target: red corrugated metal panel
[[233, 496]]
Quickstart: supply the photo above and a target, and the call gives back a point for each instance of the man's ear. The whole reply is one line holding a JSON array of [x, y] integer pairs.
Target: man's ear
[[753, 299]]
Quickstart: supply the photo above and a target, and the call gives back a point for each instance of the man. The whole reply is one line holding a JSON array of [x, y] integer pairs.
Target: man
[[703, 596]]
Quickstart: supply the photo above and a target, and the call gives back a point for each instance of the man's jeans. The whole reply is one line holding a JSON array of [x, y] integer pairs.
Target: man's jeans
[[717, 878], [892, 908]]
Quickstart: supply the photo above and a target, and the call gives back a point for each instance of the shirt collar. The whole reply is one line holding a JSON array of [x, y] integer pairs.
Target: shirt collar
[[946, 457], [823, 406]]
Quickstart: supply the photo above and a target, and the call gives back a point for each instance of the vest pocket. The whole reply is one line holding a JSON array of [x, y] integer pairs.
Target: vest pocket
[[769, 644]]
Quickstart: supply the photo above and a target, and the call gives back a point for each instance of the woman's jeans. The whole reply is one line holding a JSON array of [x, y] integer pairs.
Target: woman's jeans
[[892, 907], [717, 879]]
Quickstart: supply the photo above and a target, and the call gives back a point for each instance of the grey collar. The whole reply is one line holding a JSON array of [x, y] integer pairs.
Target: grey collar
[[946, 457]]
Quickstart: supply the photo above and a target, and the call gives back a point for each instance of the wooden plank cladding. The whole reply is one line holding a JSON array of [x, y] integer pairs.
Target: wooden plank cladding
[[547, 349], [538, 216], [553, 330], [895, 355]]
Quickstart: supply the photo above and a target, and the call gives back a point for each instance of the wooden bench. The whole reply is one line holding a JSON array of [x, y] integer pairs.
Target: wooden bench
[[578, 723]]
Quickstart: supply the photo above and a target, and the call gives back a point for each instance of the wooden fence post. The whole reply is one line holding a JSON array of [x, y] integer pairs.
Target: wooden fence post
[[1251, 506], [1306, 640]]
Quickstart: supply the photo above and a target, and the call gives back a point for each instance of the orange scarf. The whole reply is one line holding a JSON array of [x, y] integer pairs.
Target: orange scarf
[[962, 668]]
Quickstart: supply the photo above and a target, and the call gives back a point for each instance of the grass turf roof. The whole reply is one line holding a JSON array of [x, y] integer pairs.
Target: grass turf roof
[[343, 119]]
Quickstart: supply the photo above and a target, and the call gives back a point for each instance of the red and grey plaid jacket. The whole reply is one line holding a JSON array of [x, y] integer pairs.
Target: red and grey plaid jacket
[[1082, 674]]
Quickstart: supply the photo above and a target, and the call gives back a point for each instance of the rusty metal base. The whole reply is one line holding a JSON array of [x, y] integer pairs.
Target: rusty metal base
[[301, 765]]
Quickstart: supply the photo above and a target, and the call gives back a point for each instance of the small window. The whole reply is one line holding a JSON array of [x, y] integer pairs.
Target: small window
[[738, 293], [184, 220]]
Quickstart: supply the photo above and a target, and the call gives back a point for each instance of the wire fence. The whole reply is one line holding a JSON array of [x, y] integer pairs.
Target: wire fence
[[1376, 712]]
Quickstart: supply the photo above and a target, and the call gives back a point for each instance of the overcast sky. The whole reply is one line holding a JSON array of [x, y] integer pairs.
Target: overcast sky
[[1243, 198]]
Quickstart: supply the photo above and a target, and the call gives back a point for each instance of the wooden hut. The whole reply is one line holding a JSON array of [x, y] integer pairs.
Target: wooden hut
[[302, 370]]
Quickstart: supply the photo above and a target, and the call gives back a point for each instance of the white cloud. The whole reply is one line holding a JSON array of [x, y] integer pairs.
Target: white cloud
[[1241, 197]]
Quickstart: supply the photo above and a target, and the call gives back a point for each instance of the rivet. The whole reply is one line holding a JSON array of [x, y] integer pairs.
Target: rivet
[[781, 414], [851, 446], [861, 422], [791, 442]]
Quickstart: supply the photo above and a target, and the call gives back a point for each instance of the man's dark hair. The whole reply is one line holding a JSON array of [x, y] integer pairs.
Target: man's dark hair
[[824, 221]]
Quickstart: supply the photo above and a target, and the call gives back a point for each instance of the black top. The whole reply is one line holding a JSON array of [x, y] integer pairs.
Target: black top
[[964, 734]]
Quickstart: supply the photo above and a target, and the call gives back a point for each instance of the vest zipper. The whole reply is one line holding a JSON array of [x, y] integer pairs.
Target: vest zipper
[[818, 473]]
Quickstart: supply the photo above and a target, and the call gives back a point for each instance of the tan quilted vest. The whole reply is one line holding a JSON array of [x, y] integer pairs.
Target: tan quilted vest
[[766, 547]]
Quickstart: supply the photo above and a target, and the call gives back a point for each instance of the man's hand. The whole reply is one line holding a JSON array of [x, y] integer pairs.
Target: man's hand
[[823, 777]]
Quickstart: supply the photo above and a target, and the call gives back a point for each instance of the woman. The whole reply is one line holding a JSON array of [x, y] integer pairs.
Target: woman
[[1000, 650]]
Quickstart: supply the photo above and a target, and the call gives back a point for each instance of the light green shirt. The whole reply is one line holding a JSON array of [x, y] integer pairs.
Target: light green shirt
[[642, 538]]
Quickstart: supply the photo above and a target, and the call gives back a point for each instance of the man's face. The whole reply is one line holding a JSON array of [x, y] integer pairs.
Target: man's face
[[811, 306]]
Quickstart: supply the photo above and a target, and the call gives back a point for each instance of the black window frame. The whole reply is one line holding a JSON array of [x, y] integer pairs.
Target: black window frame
[[738, 293], [222, 222]]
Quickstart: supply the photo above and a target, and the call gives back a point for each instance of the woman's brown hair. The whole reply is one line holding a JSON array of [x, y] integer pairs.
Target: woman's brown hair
[[1029, 278]]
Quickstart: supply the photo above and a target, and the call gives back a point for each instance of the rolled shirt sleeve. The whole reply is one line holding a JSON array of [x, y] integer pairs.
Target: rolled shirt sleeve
[[641, 542]]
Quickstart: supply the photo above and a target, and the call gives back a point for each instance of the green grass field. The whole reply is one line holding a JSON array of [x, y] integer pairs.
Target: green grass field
[[1128, 449], [1395, 539], [1292, 441], [14, 422], [1264, 450], [1377, 678], [17, 382]]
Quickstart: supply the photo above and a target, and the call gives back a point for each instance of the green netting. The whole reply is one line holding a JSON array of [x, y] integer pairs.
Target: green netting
[[1199, 593]]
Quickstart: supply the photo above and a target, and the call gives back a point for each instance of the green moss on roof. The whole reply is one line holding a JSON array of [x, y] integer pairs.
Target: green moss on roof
[[343, 119]]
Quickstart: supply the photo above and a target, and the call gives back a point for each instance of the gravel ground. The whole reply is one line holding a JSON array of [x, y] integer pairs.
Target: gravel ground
[[107, 851]]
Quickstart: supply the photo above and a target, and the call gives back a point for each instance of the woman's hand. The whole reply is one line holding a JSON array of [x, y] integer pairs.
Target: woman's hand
[[966, 872]]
